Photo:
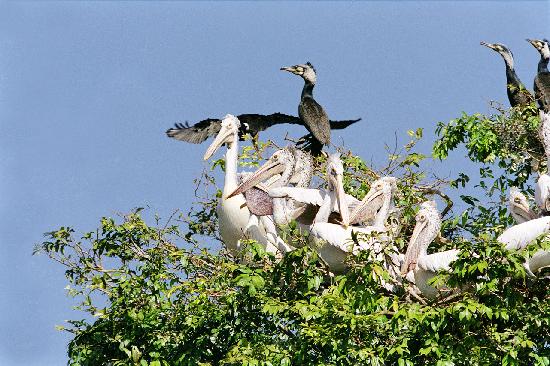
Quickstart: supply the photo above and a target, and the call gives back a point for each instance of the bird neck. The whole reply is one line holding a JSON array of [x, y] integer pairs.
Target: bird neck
[[304, 172], [384, 211], [324, 211], [511, 76], [231, 158], [543, 64], [307, 91]]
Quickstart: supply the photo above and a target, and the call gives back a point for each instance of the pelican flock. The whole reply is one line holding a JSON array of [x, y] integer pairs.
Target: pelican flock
[[260, 205]]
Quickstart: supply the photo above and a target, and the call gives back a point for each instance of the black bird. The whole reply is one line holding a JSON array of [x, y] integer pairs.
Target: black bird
[[542, 80], [517, 93], [250, 123], [313, 116]]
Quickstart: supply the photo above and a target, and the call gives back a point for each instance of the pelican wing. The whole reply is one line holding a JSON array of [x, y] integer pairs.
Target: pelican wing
[[334, 235], [438, 261], [519, 236], [339, 236], [539, 260], [304, 195], [310, 196]]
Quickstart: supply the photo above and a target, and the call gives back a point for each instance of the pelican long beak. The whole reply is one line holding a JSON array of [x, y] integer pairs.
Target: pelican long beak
[[341, 199], [413, 249], [218, 141], [269, 169], [360, 212], [525, 211]]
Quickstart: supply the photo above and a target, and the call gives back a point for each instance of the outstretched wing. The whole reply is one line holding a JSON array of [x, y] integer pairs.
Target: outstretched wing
[[254, 123], [340, 125], [197, 133], [438, 261], [251, 123]]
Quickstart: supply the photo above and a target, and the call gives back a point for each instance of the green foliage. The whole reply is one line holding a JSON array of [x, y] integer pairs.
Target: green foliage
[[155, 294], [508, 147]]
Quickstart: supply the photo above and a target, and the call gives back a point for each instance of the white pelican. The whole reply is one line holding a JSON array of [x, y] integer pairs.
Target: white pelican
[[517, 237], [235, 222], [519, 206], [293, 167], [425, 266], [336, 240]]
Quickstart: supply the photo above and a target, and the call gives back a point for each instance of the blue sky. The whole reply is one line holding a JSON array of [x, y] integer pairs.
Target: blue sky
[[88, 89]]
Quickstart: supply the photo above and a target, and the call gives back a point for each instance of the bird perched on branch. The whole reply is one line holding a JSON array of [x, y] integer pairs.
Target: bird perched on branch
[[312, 115], [542, 80], [517, 93]]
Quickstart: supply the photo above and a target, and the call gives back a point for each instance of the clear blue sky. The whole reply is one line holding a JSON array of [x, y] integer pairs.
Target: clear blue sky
[[88, 89]]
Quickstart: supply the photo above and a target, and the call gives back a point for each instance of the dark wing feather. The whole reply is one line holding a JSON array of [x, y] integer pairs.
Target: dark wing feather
[[197, 133], [340, 125], [315, 119], [250, 123], [542, 90], [260, 122]]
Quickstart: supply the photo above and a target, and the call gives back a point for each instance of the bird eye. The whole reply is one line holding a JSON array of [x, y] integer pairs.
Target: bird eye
[[421, 217], [517, 200]]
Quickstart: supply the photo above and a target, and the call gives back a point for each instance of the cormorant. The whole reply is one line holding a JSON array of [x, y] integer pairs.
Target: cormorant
[[517, 93], [542, 80], [313, 116], [250, 123]]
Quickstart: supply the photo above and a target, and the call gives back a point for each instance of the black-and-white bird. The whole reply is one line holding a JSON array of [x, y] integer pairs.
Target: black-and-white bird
[[517, 93], [542, 80], [250, 124], [312, 115]]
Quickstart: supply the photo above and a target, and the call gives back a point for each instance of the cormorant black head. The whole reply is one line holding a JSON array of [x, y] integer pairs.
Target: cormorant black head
[[541, 46], [502, 50], [306, 71]]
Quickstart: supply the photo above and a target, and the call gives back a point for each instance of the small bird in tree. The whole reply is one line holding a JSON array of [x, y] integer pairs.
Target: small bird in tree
[[542, 80], [517, 93], [312, 115], [250, 124]]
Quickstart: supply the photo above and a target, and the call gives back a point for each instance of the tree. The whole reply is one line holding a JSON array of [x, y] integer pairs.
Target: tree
[[155, 294]]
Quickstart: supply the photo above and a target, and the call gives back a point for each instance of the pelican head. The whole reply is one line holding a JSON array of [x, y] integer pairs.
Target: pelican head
[[380, 189], [306, 71], [229, 129], [519, 206], [502, 50], [335, 179], [541, 46], [282, 161], [428, 224]]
